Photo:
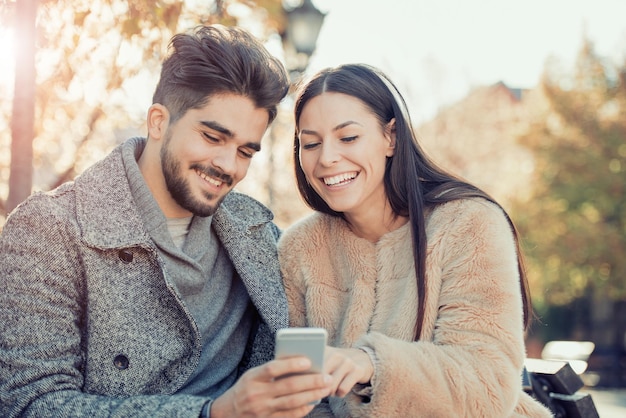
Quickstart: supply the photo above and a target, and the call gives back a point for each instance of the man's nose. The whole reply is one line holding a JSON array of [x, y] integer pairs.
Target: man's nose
[[226, 160]]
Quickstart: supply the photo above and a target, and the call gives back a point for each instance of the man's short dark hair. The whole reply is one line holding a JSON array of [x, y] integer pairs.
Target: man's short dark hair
[[212, 60]]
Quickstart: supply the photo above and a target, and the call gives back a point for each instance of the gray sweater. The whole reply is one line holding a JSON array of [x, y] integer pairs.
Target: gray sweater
[[92, 324]]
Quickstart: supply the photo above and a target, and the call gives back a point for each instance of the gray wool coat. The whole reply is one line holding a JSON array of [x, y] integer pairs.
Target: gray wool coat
[[91, 325]]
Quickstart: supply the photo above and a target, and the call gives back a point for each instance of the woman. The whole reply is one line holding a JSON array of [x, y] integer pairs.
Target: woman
[[415, 274]]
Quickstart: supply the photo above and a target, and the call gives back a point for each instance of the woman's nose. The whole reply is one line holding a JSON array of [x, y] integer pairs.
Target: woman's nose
[[329, 154]]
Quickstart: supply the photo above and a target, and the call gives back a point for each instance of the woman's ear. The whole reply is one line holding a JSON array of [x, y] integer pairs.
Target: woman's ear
[[390, 136], [157, 121]]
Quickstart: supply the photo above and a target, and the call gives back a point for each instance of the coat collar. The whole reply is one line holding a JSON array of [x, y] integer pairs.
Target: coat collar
[[109, 218], [106, 211], [254, 254]]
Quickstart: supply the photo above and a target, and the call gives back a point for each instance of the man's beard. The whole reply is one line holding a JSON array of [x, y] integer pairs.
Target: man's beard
[[179, 187]]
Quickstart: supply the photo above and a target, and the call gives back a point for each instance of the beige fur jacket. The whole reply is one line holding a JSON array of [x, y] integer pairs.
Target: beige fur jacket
[[470, 358]]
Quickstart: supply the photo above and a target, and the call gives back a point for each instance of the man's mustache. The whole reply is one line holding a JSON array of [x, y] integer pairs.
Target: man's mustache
[[215, 173]]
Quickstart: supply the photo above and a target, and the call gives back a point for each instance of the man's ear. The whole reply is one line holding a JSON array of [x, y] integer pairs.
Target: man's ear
[[157, 121], [390, 136]]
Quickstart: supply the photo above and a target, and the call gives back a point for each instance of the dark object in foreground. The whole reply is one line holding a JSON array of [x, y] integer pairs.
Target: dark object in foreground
[[556, 385]]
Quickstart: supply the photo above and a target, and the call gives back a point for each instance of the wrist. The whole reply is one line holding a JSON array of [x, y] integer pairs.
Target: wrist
[[372, 364], [220, 407]]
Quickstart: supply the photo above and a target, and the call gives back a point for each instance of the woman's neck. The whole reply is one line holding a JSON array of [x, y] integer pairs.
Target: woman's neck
[[372, 225]]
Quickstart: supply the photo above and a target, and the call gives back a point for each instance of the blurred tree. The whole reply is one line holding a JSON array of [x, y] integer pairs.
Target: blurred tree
[[97, 64], [574, 221]]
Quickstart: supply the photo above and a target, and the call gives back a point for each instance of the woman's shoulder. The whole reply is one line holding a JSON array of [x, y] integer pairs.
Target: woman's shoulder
[[475, 207], [468, 215], [473, 221]]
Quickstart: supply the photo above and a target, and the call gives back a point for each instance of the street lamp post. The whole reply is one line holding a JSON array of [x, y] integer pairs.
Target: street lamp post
[[304, 22]]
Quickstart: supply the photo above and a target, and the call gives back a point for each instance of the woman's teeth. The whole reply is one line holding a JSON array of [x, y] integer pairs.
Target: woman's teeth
[[340, 178]]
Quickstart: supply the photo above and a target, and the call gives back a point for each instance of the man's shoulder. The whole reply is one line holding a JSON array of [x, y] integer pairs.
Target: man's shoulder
[[56, 201], [62, 202], [43, 212]]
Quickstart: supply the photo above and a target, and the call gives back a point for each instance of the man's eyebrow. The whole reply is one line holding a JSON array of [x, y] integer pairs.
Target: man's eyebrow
[[225, 131], [217, 127]]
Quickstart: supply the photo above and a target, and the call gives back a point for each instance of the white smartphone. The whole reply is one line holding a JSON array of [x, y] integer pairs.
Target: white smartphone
[[307, 342]]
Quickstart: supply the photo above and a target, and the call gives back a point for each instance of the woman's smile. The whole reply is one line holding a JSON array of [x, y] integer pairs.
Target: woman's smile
[[340, 179]]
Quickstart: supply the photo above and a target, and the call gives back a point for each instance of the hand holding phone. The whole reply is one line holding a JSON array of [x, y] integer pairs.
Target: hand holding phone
[[289, 398], [306, 342]]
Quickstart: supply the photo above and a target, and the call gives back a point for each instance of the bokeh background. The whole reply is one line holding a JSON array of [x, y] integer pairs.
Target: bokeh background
[[527, 99]]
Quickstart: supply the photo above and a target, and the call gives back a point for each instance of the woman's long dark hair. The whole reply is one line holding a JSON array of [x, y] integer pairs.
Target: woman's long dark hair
[[413, 182]]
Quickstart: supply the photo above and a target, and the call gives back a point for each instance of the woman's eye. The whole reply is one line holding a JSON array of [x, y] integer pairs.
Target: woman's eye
[[349, 138], [310, 145]]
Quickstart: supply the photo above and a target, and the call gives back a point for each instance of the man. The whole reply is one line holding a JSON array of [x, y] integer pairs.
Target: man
[[147, 287]]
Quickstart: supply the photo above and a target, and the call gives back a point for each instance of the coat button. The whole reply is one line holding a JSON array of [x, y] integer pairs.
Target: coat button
[[125, 255], [120, 362]]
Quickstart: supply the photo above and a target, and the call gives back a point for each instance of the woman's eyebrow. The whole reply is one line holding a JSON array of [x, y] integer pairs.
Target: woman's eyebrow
[[344, 124], [336, 128]]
